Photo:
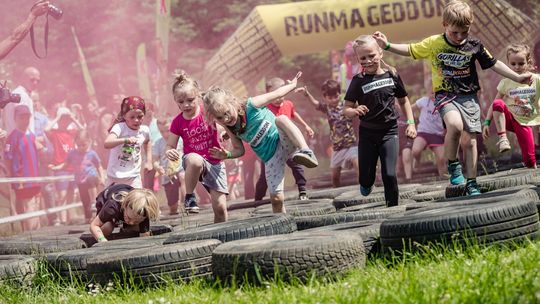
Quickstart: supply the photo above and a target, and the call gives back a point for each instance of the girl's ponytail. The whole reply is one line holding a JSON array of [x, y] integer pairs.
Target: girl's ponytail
[[181, 79]]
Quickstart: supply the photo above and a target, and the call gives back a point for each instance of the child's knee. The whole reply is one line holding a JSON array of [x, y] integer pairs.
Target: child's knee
[[498, 105], [194, 160], [282, 121]]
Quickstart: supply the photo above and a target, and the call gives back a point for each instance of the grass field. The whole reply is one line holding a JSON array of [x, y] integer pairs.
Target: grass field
[[474, 275]]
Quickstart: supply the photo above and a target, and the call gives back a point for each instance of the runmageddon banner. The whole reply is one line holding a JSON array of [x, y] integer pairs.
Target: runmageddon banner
[[320, 25]]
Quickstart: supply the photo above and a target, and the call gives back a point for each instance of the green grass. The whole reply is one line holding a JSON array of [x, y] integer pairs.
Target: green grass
[[476, 275]]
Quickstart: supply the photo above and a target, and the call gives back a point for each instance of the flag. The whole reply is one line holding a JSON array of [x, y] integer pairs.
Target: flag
[[142, 72], [84, 66]]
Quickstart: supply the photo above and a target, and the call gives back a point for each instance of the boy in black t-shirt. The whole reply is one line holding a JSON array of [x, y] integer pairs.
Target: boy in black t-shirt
[[371, 96], [452, 57]]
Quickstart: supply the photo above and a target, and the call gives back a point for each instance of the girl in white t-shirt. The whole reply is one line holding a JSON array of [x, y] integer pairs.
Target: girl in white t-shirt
[[126, 139], [516, 107]]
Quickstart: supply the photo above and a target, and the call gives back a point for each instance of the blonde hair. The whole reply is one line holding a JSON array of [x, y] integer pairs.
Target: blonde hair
[[183, 82], [142, 201], [515, 48], [274, 83], [366, 40], [218, 100], [458, 13]]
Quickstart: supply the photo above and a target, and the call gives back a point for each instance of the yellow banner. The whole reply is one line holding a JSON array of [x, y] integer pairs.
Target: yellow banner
[[313, 26], [84, 66]]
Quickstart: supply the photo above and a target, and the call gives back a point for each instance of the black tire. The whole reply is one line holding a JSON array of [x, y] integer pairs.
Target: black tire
[[433, 186], [369, 231], [39, 245], [430, 196], [491, 197], [18, 269], [376, 205], [248, 204], [353, 198], [73, 263], [330, 193], [490, 183], [488, 223], [309, 222], [301, 208], [288, 256], [156, 229], [179, 262], [237, 230]]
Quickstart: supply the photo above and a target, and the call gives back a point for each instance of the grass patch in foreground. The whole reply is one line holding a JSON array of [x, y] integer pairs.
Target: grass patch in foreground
[[475, 275]]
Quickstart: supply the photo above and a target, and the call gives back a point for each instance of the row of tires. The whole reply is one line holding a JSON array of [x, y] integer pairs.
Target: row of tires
[[320, 236]]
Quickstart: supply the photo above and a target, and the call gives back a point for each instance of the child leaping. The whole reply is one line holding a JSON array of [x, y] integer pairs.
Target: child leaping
[[517, 106], [455, 82], [274, 139], [371, 96], [199, 137], [126, 139], [345, 150]]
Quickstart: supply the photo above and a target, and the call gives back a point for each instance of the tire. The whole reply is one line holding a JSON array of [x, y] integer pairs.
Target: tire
[[295, 256], [39, 245], [488, 223], [491, 197], [369, 231], [429, 196], [19, 269], [90, 240], [309, 222], [237, 230], [179, 262], [248, 204], [301, 208], [330, 193], [377, 205], [490, 183], [353, 198], [434, 186]]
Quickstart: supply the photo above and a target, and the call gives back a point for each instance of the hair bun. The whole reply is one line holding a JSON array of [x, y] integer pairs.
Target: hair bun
[[180, 75]]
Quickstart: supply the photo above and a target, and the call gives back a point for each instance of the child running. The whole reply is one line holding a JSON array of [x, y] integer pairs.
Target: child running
[[120, 204], [345, 150], [198, 137], [127, 137], [371, 96], [274, 139], [281, 106], [517, 106], [455, 82]]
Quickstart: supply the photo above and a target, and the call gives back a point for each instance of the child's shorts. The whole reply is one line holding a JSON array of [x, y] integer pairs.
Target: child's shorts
[[275, 166], [343, 158], [213, 177], [433, 140], [467, 106]]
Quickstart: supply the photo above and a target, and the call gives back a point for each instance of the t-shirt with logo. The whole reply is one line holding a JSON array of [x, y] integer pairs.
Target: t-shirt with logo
[[261, 131], [453, 67], [286, 108], [85, 164], [125, 160], [63, 141], [197, 135], [429, 121], [527, 108], [20, 149], [378, 94], [341, 126]]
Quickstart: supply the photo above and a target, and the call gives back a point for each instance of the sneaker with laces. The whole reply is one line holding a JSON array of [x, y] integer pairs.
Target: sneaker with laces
[[472, 188], [303, 196], [190, 205], [306, 158], [503, 144], [456, 176], [365, 191]]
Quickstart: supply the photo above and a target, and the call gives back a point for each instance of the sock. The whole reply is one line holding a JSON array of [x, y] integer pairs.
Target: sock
[[501, 134], [452, 162]]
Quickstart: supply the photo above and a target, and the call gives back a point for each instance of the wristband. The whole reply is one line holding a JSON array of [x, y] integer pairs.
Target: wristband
[[410, 122], [101, 239], [387, 46], [229, 154], [487, 122]]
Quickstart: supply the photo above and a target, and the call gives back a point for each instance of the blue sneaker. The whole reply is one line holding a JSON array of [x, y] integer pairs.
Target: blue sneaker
[[472, 188], [190, 205], [365, 191], [456, 176]]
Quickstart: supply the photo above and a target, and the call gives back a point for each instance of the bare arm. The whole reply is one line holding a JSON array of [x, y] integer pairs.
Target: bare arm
[[396, 48], [301, 121], [172, 143], [148, 148], [18, 34], [95, 229], [112, 141], [502, 69], [307, 94], [407, 111], [264, 99], [51, 124], [236, 151], [351, 110]]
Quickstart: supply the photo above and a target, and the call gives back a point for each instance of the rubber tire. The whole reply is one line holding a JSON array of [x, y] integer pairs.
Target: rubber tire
[[330, 193], [430, 196], [156, 229], [289, 256], [490, 183], [39, 245], [353, 198], [19, 269], [237, 230], [301, 208], [309, 222]]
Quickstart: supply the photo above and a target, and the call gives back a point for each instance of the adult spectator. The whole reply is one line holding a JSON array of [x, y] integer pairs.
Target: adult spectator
[[8, 44], [31, 80]]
